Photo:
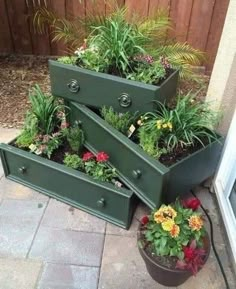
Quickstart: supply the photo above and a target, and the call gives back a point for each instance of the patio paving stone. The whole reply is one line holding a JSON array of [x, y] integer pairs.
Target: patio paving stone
[[18, 224], [19, 274], [7, 134], [13, 190], [123, 267], [68, 247], [62, 216], [68, 277], [141, 210]]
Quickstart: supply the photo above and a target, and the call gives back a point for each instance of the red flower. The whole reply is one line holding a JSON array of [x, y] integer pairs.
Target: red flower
[[102, 157], [192, 203], [189, 253], [88, 156], [144, 220]]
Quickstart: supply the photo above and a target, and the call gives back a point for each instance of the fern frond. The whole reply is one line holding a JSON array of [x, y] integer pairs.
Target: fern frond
[[182, 51]]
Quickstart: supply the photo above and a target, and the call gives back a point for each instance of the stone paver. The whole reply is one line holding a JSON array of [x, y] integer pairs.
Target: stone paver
[[19, 274], [7, 134], [69, 247], [61, 216], [13, 190], [18, 223], [141, 210], [68, 277], [123, 267]]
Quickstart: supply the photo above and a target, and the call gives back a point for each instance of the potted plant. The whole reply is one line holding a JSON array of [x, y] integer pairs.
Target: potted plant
[[161, 154], [50, 156], [173, 242], [126, 64]]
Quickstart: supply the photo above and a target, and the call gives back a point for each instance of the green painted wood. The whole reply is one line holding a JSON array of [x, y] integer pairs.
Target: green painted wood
[[97, 89], [101, 199], [155, 183]]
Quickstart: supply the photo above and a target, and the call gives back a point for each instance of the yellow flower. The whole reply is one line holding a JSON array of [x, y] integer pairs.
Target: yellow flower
[[158, 123], [159, 126], [174, 232], [169, 124], [164, 213], [195, 223], [168, 225], [164, 125]]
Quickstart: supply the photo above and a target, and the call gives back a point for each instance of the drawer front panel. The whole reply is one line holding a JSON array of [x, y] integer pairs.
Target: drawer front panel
[[72, 187], [140, 172], [98, 89]]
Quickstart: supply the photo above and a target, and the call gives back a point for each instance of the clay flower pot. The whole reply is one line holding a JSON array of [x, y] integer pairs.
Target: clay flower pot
[[164, 275]]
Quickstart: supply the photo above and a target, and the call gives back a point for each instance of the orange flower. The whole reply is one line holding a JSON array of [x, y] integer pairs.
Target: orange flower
[[164, 213], [195, 223], [174, 232], [168, 225]]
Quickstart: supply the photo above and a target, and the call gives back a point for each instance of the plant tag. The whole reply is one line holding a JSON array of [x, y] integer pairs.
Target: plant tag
[[131, 130]]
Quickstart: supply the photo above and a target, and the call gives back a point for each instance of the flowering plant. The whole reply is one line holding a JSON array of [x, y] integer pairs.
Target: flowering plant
[[176, 231], [96, 166]]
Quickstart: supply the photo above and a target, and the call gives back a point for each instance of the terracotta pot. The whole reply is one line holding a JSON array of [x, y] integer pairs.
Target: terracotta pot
[[167, 276]]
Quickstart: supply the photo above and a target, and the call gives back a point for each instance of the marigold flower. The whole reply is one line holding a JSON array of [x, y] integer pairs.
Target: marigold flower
[[164, 213], [195, 223], [164, 125], [169, 124], [102, 157], [174, 232], [168, 225]]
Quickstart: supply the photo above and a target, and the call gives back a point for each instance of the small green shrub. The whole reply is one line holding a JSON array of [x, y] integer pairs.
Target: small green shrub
[[120, 121], [188, 123], [67, 60], [75, 138], [45, 109], [151, 73], [73, 161], [25, 139]]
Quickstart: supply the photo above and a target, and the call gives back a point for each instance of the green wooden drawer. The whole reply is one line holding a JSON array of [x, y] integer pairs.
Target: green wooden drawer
[[97, 89], [101, 199], [150, 180]]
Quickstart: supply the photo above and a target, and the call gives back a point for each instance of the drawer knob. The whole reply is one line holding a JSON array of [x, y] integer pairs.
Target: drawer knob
[[73, 86], [125, 100], [101, 203], [22, 170], [136, 174]]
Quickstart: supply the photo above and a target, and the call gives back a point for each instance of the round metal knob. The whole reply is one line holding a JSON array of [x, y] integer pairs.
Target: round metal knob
[[73, 86], [125, 100], [136, 174], [101, 203], [22, 170]]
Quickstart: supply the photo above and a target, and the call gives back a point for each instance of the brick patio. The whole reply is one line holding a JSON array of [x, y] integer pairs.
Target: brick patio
[[46, 244]]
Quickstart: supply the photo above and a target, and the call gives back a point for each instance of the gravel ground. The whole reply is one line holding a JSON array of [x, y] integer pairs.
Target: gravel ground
[[19, 73]]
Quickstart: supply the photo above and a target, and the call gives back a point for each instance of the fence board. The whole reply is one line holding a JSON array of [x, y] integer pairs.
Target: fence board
[[200, 23], [180, 14], [216, 28], [17, 13], [6, 45], [137, 7], [58, 6], [111, 5], [40, 42]]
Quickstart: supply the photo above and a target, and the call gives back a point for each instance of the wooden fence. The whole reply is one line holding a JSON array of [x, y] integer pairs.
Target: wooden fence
[[199, 22]]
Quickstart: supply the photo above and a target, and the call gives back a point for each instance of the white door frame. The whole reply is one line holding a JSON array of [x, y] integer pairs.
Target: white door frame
[[223, 184]]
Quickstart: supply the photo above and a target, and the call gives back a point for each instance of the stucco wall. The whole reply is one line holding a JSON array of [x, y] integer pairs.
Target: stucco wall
[[222, 87]]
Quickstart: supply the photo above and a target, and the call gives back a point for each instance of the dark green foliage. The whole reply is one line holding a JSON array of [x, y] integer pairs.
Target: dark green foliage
[[120, 121], [75, 138], [45, 109], [73, 161]]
